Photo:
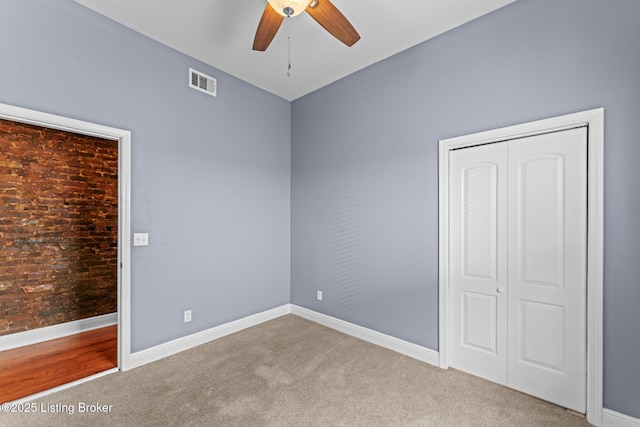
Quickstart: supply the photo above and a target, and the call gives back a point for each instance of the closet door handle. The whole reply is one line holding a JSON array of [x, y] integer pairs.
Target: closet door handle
[[500, 290]]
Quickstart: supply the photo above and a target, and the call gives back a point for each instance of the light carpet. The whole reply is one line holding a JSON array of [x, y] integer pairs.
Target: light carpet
[[291, 372]]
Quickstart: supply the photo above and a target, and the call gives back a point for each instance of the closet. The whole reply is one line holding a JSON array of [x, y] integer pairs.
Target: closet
[[518, 263]]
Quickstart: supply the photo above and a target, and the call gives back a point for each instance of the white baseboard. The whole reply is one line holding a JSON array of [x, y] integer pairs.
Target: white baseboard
[[170, 348], [20, 339], [616, 419], [387, 341], [181, 344]]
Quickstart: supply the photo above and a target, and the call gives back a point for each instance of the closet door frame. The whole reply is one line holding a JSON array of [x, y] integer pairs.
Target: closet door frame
[[594, 121]]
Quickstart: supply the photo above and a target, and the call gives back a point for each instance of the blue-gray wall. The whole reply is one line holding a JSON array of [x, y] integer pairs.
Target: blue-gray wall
[[210, 176], [365, 163]]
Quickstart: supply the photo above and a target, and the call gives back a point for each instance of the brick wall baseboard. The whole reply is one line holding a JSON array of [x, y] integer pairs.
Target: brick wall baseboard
[[34, 336]]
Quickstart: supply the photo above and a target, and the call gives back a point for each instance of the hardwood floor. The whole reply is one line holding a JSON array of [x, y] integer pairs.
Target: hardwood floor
[[35, 368]]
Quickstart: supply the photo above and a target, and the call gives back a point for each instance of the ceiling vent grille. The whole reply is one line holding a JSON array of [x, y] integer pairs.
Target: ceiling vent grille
[[202, 82]]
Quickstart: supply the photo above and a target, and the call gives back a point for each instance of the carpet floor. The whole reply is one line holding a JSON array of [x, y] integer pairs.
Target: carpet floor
[[290, 372]]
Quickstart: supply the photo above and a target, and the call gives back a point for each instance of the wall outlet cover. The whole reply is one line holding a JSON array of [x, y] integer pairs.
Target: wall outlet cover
[[140, 239]]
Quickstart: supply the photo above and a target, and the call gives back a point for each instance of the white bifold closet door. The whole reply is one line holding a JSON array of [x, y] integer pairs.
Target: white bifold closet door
[[518, 273]]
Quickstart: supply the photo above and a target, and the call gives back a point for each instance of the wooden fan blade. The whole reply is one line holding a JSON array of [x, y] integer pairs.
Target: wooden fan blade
[[267, 28], [332, 20]]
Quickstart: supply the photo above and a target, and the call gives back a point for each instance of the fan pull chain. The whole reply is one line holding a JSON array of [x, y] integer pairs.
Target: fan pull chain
[[289, 45]]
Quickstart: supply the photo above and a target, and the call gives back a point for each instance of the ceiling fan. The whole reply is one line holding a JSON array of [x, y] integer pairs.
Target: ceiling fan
[[323, 11]]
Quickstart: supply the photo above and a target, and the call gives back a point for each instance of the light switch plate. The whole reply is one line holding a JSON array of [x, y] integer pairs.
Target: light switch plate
[[140, 239]]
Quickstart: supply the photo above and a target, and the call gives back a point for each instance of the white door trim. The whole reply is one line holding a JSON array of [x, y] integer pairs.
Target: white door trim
[[594, 120], [123, 137]]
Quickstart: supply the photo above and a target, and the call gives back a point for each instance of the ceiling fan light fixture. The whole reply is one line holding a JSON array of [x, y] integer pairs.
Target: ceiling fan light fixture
[[322, 11], [298, 6]]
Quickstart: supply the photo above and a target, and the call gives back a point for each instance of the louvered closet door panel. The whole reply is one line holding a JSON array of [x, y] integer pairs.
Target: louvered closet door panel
[[478, 261], [547, 216]]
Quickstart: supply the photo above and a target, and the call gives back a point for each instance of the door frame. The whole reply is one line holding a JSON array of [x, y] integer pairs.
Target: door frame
[[594, 121], [38, 118]]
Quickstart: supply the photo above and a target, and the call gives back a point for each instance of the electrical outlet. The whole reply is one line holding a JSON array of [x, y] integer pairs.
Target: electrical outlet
[[319, 295], [187, 316]]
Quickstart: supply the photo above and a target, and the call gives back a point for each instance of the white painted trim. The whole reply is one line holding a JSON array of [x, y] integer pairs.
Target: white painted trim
[[616, 419], [124, 252], [594, 119], [65, 386], [123, 137], [412, 350], [34, 336], [170, 348], [595, 266], [443, 257]]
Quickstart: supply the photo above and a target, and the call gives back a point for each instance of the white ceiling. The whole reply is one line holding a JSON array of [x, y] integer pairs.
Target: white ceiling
[[220, 33]]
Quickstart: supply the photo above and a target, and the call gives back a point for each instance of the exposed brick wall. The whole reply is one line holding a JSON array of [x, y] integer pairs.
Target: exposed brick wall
[[58, 226]]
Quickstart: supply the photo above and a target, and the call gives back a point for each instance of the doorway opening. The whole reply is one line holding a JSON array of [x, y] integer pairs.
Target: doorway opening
[[118, 216], [593, 121]]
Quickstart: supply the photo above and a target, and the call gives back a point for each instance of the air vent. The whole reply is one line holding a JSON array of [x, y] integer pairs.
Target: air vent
[[202, 82]]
